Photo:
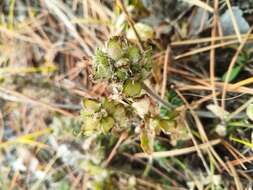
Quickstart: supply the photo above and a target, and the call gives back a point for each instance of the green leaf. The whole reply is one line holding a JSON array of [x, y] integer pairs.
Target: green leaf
[[162, 124], [142, 106], [147, 141], [120, 116], [109, 106], [132, 88], [234, 73], [106, 124], [91, 106], [91, 126]]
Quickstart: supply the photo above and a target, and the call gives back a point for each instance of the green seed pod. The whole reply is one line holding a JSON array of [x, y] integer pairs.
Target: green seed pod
[[114, 48], [122, 74], [123, 62], [132, 88], [102, 68], [134, 54]]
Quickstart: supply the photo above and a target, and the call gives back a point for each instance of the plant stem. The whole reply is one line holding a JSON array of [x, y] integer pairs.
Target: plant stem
[[156, 97]]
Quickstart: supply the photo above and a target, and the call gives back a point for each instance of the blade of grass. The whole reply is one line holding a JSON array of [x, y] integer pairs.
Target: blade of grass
[[26, 99], [234, 22], [200, 4], [178, 152], [236, 177], [204, 49], [27, 139], [207, 40], [212, 54], [230, 68], [246, 143], [11, 15]]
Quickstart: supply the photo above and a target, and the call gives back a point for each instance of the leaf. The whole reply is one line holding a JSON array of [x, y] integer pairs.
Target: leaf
[[249, 112], [163, 124], [109, 106], [91, 126], [132, 88], [106, 124], [120, 116], [142, 106], [147, 141], [234, 73], [167, 125], [91, 106]]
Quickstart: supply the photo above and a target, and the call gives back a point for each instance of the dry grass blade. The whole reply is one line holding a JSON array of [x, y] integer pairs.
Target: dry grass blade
[[236, 177], [230, 68], [167, 61], [27, 139], [114, 150], [234, 22], [200, 4], [207, 40], [243, 83], [130, 22], [212, 153], [212, 53], [58, 8], [239, 110], [204, 49], [47, 169], [178, 152], [20, 97]]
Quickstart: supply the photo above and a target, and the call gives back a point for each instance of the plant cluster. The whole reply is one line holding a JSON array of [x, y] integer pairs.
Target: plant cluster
[[124, 66]]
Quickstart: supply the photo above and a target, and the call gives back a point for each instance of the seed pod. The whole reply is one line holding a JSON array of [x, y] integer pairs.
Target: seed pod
[[102, 67], [134, 54], [114, 48], [122, 62]]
